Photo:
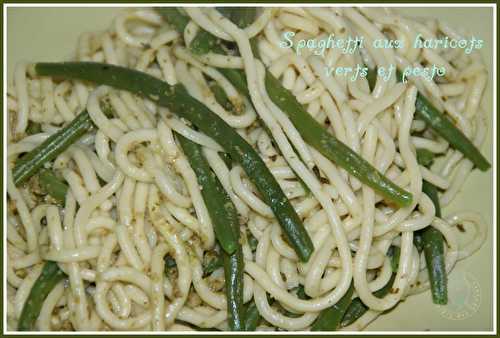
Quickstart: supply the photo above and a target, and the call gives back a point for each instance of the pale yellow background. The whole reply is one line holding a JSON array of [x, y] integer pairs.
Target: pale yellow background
[[50, 34]]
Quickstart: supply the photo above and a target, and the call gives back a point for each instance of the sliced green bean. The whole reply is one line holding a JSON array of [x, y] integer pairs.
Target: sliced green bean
[[233, 274], [226, 224], [204, 42], [430, 190], [237, 79], [252, 241], [357, 308], [107, 108], [49, 149], [336, 151], [330, 318], [220, 207], [174, 17], [195, 327], [447, 130], [212, 264], [177, 99], [50, 183], [252, 317], [433, 242], [51, 275], [221, 97]]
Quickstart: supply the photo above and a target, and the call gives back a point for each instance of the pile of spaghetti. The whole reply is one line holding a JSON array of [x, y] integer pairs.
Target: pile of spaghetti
[[185, 172]]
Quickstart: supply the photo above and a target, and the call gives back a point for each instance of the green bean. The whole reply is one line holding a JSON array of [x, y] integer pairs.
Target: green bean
[[107, 108], [314, 134], [357, 308], [433, 242], [53, 185], [174, 17], [51, 275], [220, 207], [438, 121], [226, 224], [336, 151], [252, 317], [177, 100], [233, 274], [301, 292], [355, 311], [418, 241], [330, 318], [221, 97], [237, 79], [241, 16], [49, 149]]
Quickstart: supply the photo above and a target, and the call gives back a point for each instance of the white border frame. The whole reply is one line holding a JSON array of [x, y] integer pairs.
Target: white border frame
[[196, 333]]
